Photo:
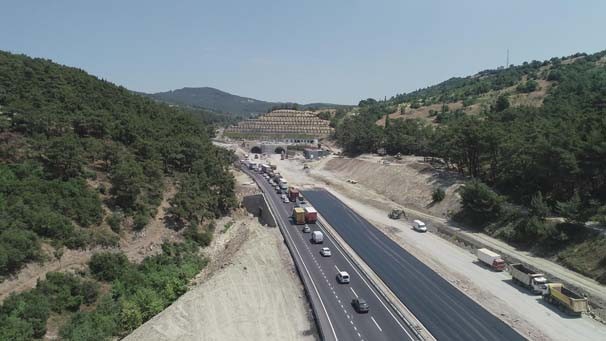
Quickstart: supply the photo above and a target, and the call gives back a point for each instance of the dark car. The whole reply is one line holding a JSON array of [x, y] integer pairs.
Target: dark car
[[360, 305]]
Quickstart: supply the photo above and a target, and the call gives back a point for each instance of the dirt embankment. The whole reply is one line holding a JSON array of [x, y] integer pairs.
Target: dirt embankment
[[409, 182], [248, 291]]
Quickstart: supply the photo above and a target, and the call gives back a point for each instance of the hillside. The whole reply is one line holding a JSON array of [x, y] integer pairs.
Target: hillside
[[530, 139], [524, 85], [220, 101], [87, 165]]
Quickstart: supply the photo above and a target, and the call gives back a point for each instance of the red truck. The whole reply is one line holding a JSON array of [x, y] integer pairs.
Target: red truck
[[311, 215], [293, 194]]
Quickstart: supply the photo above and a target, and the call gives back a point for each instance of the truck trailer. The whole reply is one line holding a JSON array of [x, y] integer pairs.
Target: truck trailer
[[298, 215], [528, 278], [492, 259], [566, 299], [293, 194], [311, 215]]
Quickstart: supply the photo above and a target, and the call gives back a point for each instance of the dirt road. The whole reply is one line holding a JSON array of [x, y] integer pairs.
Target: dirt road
[[494, 291], [254, 295]]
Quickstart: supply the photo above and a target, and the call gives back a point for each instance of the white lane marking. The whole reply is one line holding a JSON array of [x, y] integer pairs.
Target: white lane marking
[[351, 322], [338, 247], [359, 335], [354, 292], [376, 324], [308, 273], [337, 269]]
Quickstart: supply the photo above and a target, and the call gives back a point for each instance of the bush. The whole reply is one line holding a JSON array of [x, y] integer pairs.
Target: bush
[[66, 291], [108, 266], [480, 203], [115, 221], [438, 195], [201, 238], [140, 220]]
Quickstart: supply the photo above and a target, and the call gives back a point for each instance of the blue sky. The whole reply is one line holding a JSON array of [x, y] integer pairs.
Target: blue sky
[[305, 51]]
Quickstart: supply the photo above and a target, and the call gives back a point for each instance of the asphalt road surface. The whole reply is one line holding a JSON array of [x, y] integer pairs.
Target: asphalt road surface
[[332, 301], [445, 311]]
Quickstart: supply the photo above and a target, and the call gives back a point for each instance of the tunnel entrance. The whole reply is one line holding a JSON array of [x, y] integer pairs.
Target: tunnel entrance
[[256, 150]]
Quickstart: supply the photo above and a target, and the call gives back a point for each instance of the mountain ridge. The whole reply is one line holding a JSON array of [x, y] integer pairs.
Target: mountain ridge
[[221, 101]]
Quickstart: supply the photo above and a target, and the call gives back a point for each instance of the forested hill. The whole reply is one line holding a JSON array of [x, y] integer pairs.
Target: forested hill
[[71, 144], [221, 101], [547, 159]]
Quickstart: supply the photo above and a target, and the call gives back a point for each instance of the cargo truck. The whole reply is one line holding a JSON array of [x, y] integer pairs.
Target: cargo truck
[[293, 194], [566, 299], [317, 237], [311, 215], [492, 259], [528, 278], [298, 215]]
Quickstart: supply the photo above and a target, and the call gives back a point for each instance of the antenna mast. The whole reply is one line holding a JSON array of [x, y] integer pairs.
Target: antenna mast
[[507, 65]]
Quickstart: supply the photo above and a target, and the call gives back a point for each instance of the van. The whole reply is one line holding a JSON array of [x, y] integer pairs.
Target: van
[[343, 277], [419, 226], [317, 237]]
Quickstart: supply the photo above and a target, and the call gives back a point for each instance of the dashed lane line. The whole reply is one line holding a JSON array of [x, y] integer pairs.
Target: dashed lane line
[[376, 324]]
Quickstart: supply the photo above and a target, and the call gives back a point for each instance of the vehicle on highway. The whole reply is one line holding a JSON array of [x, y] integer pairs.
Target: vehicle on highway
[[325, 252], [298, 216], [272, 182], [301, 203], [306, 229], [493, 259], [317, 237], [419, 226], [343, 277], [286, 201], [360, 305]]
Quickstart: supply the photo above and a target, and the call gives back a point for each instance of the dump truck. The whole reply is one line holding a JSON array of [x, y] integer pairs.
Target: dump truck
[[528, 278], [491, 258], [311, 215], [293, 194], [566, 299], [298, 215]]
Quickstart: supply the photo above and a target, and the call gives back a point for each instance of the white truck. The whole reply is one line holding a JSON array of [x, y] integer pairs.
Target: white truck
[[492, 259], [317, 237], [528, 278]]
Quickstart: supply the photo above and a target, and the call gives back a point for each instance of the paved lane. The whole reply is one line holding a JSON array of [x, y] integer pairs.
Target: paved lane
[[442, 308], [333, 302]]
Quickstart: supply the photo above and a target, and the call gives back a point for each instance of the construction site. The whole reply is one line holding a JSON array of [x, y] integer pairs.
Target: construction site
[[287, 126]]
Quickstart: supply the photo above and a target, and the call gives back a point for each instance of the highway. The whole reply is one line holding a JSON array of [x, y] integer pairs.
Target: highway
[[330, 300], [445, 311]]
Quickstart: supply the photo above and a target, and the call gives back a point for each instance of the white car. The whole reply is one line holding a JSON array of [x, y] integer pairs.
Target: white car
[[325, 252], [343, 277], [419, 226], [306, 229], [285, 200]]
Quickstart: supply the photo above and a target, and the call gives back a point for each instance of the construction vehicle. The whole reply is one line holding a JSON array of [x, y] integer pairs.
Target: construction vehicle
[[492, 259], [397, 213], [566, 299], [298, 215], [528, 278]]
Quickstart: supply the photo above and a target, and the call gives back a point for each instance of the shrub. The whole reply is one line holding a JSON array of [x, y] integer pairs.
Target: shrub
[[480, 203], [108, 266], [115, 221], [140, 220], [438, 195]]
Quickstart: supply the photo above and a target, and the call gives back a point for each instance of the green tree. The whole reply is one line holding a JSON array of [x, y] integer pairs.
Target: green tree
[[502, 103], [108, 266]]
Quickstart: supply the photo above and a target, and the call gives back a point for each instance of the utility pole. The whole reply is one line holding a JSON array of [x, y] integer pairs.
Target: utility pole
[[507, 64]]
